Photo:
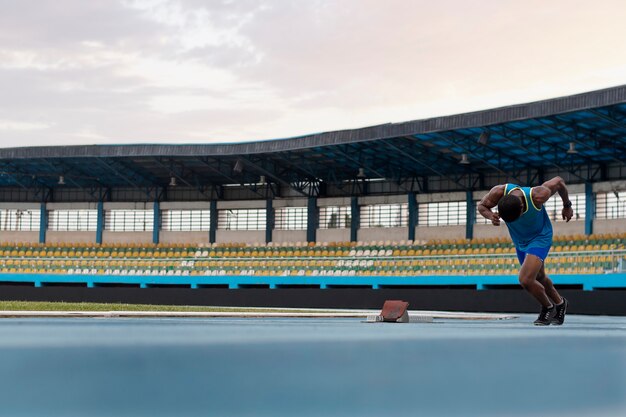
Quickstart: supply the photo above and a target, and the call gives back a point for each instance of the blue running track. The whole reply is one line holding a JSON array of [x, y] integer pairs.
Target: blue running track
[[311, 367]]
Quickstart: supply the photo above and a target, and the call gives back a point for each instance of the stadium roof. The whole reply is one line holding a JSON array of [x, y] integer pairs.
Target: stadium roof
[[581, 134]]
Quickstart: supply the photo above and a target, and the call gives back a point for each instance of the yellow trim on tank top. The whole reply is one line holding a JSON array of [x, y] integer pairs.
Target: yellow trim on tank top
[[524, 194], [531, 200]]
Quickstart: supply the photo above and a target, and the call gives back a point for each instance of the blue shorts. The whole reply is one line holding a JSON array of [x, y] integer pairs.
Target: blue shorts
[[541, 253]]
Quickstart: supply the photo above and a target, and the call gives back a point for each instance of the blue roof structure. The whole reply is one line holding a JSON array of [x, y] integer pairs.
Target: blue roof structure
[[583, 135]]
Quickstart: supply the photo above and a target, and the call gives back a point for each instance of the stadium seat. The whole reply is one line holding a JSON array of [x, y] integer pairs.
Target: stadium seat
[[572, 254]]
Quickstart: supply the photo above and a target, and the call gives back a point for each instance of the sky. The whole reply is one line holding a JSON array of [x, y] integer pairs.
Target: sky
[[75, 72]]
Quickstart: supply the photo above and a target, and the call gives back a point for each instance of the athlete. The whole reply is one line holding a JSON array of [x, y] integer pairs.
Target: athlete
[[523, 211]]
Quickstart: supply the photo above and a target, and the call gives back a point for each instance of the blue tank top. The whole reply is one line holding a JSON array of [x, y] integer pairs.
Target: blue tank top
[[533, 228]]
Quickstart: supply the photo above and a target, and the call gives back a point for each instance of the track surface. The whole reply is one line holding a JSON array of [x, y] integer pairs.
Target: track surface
[[311, 367]]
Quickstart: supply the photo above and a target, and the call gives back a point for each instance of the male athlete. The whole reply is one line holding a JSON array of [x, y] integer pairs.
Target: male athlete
[[531, 231]]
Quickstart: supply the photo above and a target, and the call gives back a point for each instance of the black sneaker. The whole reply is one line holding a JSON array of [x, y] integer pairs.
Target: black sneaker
[[559, 317], [546, 316]]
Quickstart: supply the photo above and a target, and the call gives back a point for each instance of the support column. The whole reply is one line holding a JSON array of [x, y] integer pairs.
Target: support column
[[269, 220], [311, 219], [157, 223], [471, 214], [213, 225], [590, 208], [100, 222], [412, 215], [43, 223], [355, 215]]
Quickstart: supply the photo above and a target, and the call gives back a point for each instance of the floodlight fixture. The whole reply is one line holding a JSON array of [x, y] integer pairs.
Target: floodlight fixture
[[238, 167], [572, 149], [483, 139]]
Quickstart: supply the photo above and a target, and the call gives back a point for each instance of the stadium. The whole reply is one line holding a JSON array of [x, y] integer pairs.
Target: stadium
[[312, 208], [342, 219], [322, 229]]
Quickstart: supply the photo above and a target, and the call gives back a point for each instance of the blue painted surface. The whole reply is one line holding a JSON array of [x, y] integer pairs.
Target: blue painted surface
[[590, 204], [100, 222], [43, 222], [156, 225], [470, 214], [413, 214], [355, 220], [311, 367], [588, 282]]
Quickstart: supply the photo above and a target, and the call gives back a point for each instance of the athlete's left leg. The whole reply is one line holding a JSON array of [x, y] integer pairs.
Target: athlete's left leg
[[551, 292], [528, 279]]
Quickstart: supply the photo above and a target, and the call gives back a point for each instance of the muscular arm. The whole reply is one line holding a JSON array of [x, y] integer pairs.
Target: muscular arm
[[546, 190], [489, 201]]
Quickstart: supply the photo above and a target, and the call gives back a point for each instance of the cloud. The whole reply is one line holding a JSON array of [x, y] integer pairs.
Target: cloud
[[190, 70], [13, 125]]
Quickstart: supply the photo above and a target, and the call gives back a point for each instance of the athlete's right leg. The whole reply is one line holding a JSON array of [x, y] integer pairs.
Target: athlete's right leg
[[560, 302]]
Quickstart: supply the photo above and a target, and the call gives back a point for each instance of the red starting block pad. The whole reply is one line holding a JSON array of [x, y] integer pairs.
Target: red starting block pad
[[394, 311]]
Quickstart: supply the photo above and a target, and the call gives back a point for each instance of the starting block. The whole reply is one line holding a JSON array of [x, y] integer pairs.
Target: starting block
[[394, 311]]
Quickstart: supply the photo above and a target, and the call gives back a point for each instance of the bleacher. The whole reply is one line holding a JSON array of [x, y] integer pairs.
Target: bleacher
[[580, 254]]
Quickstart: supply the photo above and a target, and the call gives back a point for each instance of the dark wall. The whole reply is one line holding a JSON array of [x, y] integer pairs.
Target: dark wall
[[599, 302]]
